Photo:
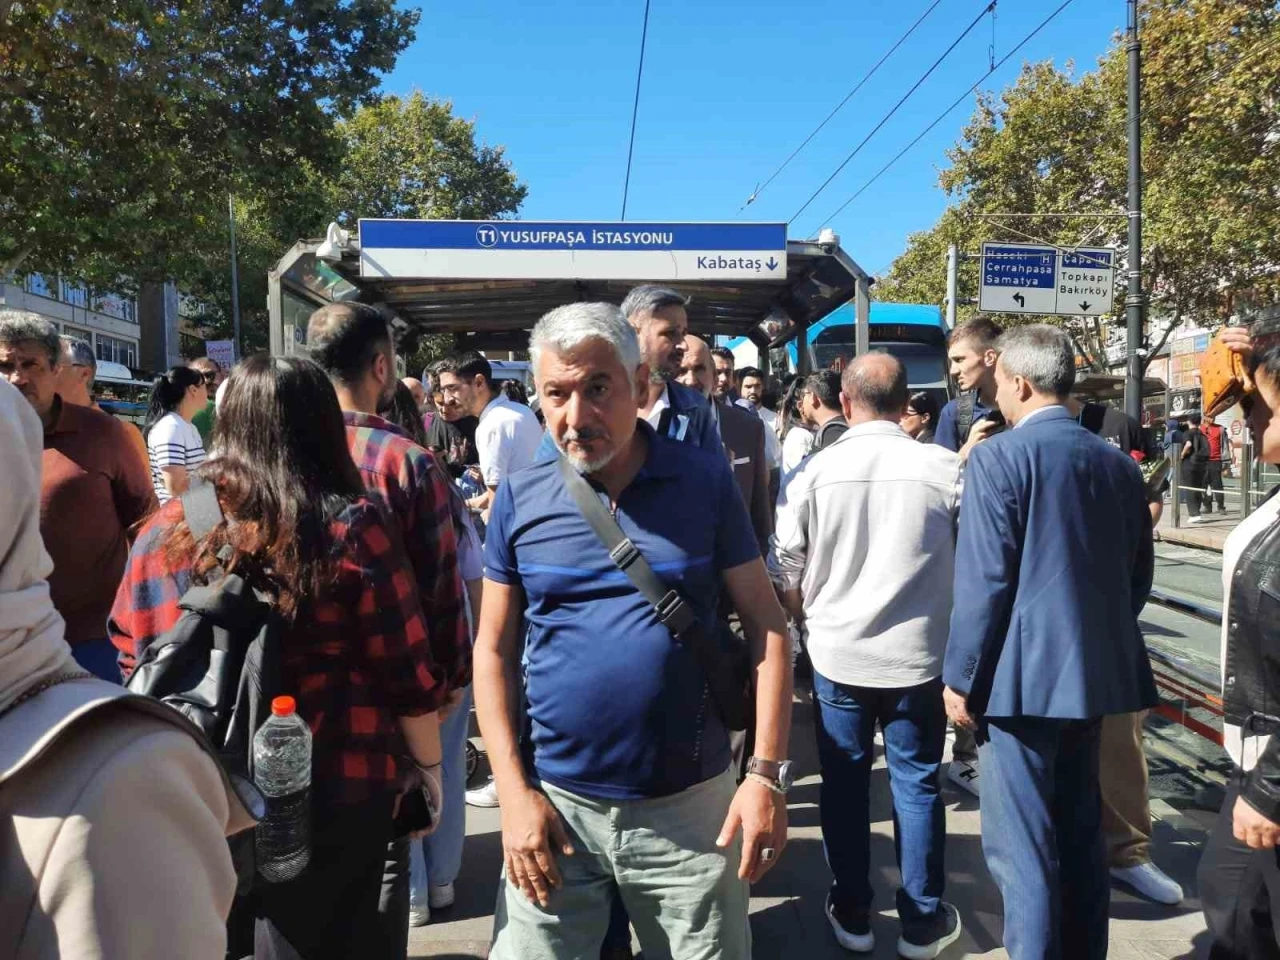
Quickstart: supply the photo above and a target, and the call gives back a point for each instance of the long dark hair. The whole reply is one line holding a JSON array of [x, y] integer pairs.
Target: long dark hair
[[167, 392], [791, 403], [283, 472], [925, 404], [403, 412]]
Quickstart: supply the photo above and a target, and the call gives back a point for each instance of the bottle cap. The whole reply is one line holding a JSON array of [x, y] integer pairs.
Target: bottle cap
[[283, 706]]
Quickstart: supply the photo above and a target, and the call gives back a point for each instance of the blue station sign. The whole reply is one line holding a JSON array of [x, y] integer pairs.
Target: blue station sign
[[508, 249]]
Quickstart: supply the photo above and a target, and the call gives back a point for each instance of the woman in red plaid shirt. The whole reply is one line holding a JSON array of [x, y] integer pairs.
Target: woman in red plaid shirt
[[356, 655]]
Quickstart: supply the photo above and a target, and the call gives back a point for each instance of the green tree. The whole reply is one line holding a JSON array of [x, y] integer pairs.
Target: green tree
[[401, 157], [1053, 143], [411, 157], [127, 123]]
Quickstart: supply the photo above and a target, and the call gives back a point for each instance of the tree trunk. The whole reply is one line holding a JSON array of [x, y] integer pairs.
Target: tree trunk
[[1174, 323]]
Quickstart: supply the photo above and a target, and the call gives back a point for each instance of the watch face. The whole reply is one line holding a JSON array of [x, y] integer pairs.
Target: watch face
[[785, 775]]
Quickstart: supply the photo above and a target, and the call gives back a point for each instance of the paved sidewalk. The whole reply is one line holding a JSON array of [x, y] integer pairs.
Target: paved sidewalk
[[787, 906], [1210, 535]]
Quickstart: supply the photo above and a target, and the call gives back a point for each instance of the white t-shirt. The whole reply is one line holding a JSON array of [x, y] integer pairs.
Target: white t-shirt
[[507, 439], [654, 417], [797, 445], [772, 445], [1244, 752], [172, 442]]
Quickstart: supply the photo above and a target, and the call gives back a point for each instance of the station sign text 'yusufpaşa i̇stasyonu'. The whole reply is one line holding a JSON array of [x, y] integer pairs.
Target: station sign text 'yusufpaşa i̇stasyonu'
[[1032, 278], [503, 249]]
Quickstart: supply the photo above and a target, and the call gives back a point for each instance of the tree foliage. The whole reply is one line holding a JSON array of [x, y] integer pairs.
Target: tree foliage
[[127, 122], [412, 157], [1055, 143], [401, 157]]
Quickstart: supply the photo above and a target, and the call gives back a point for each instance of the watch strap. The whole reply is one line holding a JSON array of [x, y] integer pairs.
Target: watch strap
[[766, 768]]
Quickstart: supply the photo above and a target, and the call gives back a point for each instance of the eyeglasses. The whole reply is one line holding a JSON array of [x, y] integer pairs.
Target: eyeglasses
[[209, 378]]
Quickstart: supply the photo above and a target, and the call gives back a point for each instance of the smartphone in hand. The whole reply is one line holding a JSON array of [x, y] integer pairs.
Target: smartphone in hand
[[416, 813]]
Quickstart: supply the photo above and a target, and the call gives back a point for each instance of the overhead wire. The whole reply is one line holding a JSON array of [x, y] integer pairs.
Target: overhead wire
[[635, 110], [989, 8], [945, 113], [1119, 122], [755, 194]]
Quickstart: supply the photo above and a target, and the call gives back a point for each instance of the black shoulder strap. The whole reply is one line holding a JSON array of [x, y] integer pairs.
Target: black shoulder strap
[[664, 421], [964, 417], [201, 510], [669, 606]]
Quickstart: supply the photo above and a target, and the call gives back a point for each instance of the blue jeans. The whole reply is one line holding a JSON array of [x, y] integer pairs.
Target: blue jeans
[[1042, 835], [99, 658], [914, 724], [437, 858]]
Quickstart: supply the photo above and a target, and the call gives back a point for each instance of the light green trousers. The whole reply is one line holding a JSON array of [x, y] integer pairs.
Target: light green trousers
[[682, 893]]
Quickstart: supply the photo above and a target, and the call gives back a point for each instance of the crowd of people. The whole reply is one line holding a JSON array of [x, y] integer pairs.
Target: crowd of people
[[624, 582]]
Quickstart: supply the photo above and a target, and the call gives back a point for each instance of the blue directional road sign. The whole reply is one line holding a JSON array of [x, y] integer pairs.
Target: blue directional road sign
[[1030, 278], [505, 249]]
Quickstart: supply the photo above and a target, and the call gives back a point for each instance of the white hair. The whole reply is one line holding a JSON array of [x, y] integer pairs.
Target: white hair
[[78, 352], [23, 326], [567, 327], [1042, 355], [650, 297]]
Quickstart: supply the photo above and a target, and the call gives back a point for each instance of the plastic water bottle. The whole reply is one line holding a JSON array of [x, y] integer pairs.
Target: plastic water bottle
[[282, 771]]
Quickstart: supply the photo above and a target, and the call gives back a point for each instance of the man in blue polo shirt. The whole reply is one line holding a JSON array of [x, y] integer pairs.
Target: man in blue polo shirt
[[625, 782], [660, 318]]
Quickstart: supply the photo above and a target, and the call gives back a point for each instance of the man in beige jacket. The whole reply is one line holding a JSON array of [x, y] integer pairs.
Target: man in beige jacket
[[113, 815]]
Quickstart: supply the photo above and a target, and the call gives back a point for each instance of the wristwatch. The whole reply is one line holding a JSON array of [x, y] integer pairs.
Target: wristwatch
[[777, 772]]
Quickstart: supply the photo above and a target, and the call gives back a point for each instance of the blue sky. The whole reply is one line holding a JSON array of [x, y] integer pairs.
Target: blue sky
[[729, 90]]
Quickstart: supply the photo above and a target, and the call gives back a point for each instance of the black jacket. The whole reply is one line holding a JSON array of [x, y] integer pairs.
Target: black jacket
[[1251, 673]]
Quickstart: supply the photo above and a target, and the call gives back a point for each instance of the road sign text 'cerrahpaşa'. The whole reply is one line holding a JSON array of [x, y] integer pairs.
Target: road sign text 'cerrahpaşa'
[[1034, 278]]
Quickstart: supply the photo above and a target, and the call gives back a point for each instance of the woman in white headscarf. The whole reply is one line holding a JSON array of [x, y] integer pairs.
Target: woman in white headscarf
[[113, 815]]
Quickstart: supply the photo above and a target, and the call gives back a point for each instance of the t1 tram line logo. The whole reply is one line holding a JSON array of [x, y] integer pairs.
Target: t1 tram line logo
[[487, 235]]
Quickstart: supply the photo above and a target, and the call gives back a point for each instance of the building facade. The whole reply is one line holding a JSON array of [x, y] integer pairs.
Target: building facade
[[147, 333], [108, 321]]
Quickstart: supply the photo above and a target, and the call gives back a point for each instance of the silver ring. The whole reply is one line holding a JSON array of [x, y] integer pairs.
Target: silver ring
[[767, 854]]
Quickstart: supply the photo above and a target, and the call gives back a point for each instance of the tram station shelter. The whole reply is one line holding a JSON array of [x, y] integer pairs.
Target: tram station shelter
[[486, 283]]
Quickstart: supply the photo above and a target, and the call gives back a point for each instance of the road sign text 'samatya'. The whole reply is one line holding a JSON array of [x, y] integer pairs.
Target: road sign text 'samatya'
[[1032, 278]]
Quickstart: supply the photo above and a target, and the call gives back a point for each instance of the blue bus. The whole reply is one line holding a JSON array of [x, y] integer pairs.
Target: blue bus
[[914, 333]]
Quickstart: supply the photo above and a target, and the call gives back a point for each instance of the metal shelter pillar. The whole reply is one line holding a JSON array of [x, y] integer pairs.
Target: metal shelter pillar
[[862, 310]]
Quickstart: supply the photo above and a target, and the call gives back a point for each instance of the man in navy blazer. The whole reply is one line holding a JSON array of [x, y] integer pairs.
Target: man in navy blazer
[[1054, 562]]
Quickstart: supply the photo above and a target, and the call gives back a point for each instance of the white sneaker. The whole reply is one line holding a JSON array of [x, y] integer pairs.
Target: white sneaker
[[964, 774], [1196, 520], [419, 914], [440, 896], [486, 796], [1150, 881], [853, 932]]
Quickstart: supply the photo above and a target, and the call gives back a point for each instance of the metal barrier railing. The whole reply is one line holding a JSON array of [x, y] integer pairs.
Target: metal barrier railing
[[1189, 687], [1238, 496]]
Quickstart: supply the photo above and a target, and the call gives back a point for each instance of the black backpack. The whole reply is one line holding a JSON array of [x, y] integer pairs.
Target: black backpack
[[219, 666], [1199, 447], [964, 416]]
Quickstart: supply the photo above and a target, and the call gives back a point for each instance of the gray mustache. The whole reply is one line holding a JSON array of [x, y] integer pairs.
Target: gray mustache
[[581, 436]]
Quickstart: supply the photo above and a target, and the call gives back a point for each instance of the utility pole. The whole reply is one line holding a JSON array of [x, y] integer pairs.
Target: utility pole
[[235, 277], [1135, 302], [953, 268]]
